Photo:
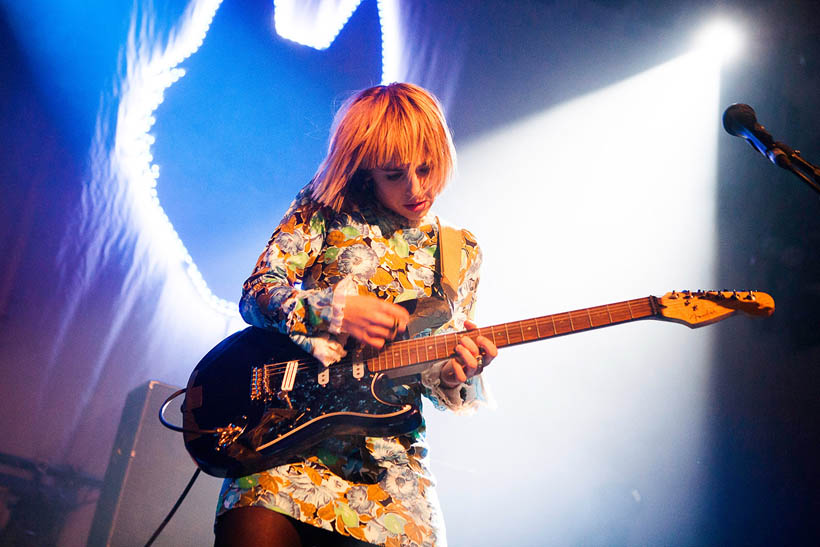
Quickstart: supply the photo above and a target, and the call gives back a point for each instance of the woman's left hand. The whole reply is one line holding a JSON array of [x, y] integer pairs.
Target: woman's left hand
[[471, 357]]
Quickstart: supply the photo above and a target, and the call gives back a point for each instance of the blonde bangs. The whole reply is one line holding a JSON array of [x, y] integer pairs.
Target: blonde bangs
[[396, 125]]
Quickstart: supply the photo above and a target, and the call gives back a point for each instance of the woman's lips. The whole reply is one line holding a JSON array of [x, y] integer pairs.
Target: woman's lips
[[416, 205]]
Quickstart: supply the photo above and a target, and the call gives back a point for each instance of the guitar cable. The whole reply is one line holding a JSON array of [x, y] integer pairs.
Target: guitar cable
[[174, 508], [177, 428], [191, 482]]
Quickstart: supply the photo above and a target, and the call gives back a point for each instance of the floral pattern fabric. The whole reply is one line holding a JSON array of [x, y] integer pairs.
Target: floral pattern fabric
[[377, 489]]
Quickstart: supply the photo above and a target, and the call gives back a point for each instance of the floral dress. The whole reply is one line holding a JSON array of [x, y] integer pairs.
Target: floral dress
[[376, 489]]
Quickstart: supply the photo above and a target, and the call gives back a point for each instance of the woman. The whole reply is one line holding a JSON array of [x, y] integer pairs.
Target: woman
[[357, 241]]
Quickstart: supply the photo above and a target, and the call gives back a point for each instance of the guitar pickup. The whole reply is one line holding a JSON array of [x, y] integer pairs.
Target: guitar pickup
[[323, 377], [289, 379]]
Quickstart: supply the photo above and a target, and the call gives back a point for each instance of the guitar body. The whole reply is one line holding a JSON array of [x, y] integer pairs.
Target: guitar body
[[246, 422]]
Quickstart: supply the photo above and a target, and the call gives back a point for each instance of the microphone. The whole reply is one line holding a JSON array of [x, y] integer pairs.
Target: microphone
[[740, 120]]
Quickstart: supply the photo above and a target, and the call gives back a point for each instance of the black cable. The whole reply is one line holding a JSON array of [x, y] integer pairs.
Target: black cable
[[176, 428], [174, 508]]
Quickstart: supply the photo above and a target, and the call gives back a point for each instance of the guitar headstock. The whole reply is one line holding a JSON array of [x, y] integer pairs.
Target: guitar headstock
[[699, 308]]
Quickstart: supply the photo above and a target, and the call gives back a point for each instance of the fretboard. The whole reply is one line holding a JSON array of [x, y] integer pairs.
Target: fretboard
[[432, 348]]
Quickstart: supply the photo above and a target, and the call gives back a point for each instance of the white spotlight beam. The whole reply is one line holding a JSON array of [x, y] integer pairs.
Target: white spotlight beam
[[607, 197]]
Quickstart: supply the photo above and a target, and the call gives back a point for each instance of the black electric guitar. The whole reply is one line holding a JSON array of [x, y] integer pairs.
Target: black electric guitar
[[256, 400]]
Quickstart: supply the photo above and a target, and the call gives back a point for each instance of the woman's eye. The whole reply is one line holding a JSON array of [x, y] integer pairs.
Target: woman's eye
[[394, 176], [423, 171]]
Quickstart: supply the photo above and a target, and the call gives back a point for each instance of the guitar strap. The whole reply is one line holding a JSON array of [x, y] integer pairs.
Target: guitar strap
[[449, 253]]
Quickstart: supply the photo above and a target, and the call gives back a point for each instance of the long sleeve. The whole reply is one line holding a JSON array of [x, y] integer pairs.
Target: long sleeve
[[468, 396], [278, 295]]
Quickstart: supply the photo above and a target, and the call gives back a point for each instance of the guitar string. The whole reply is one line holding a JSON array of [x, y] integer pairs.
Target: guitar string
[[621, 306], [274, 369]]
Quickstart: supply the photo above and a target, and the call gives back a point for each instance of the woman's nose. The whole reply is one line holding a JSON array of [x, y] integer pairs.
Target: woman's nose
[[413, 184]]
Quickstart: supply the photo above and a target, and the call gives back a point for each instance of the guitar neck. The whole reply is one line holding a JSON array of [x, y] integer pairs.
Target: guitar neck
[[432, 348]]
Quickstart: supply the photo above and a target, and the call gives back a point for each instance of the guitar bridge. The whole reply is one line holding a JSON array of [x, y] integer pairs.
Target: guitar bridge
[[226, 436]]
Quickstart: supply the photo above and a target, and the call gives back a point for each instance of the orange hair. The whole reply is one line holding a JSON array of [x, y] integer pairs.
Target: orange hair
[[384, 126]]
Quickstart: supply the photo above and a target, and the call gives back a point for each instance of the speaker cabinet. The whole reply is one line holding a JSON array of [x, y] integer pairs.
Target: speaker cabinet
[[147, 472]]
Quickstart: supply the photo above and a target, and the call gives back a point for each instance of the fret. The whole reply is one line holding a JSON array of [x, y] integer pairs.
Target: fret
[[521, 328], [590, 318], [507, 333], [602, 314], [498, 336], [537, 330], [609, 313], [529, 330], [439, 342], [554, 329], [630, 310]]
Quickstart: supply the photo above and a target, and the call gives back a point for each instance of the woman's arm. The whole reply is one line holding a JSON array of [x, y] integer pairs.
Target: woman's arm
[[456, 383], [272, 296]]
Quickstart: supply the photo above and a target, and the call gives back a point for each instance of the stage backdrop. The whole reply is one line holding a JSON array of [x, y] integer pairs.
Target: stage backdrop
[[148, 151]]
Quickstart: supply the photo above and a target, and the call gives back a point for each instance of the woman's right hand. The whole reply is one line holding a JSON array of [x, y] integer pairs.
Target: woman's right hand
[[373, 321]]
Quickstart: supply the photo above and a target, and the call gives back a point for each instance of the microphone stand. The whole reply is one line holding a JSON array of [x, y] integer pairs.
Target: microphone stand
[[794, 162]]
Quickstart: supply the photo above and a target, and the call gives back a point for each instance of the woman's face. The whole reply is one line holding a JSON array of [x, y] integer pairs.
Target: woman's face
[[404, 189]]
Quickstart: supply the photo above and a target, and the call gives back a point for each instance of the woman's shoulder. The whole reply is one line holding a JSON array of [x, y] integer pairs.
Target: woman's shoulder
[[466, 237], [307, 211]]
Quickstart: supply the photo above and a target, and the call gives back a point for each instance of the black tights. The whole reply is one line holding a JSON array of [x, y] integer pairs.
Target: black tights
[[260, 527]]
